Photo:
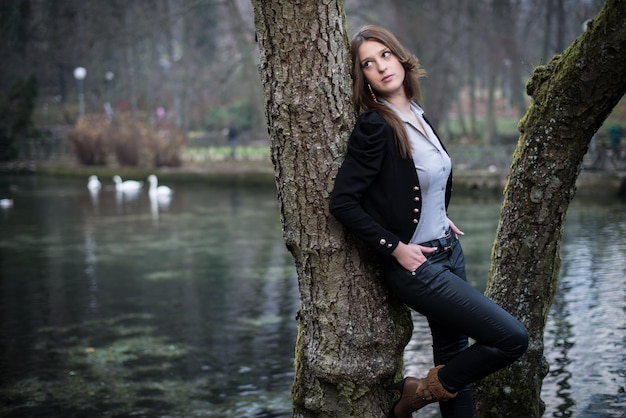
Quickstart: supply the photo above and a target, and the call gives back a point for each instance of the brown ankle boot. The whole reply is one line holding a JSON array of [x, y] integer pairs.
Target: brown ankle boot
[[433, 390], [417, 393]]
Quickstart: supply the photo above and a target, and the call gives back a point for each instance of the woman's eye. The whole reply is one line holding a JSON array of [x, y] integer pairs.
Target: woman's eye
[[366, 64], [386, 54]]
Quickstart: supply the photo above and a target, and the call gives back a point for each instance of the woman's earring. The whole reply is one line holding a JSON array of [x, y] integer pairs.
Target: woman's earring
[[369, 86]]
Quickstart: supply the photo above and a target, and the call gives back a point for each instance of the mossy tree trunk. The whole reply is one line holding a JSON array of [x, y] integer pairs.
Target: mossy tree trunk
[[571, 97], [351, 335]]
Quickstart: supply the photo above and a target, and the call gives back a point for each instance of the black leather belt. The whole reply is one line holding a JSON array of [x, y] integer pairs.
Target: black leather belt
[[443, 243]]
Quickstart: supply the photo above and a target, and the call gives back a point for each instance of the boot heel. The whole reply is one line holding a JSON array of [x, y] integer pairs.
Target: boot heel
[[396, 388], [401, 408]]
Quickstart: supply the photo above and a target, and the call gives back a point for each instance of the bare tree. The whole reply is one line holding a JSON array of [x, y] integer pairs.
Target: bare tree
[[247, 63], [160, 50]]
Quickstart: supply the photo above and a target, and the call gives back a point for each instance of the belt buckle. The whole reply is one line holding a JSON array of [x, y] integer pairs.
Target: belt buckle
[[444, 243], [448, 241]]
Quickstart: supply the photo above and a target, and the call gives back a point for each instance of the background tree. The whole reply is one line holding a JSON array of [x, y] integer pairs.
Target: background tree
[[193, 58], [16, 111], [476, 53]]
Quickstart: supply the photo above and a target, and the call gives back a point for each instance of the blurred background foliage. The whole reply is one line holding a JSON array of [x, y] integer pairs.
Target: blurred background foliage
[[163, 76], [134, 142]]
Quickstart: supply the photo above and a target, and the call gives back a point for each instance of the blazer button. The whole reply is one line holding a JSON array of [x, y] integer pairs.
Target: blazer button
[[382, 241], [416, 198], [416, 188], [414, 221], [388, 245], [416, 210]]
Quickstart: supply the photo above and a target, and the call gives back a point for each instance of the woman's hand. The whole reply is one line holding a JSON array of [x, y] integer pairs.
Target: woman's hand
[[411, 256], [456, 231]]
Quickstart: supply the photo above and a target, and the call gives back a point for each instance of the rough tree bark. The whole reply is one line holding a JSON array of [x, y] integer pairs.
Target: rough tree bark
[[350, 336], [571, 97]]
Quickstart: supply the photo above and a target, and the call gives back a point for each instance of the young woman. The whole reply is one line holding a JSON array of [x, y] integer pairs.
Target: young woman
[[393, 191]]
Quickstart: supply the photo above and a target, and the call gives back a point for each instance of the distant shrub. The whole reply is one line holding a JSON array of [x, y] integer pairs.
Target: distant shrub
[[126, 137], [167, 145], [132, 142], [89, 139]]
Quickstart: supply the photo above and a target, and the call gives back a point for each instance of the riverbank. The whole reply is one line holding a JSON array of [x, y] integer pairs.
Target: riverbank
[[590, 183], [226, 171]]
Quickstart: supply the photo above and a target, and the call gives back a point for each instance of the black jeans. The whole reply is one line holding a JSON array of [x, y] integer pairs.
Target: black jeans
[[438, 289]]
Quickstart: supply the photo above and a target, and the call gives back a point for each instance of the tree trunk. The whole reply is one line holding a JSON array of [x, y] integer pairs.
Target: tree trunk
[[350, 336], [572, 96]]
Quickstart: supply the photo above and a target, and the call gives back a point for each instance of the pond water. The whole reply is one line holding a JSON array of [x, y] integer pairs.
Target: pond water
[[121, 306]]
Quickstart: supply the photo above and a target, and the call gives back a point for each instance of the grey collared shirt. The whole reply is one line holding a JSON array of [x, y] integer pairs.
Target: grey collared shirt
[[433, 166]]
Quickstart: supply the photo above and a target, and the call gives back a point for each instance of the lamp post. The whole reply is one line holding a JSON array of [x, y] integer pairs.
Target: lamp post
[[108, 78], [79, 74]]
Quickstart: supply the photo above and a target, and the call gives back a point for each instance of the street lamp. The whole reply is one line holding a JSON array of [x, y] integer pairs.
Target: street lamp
[[79, 74], [108, 78]]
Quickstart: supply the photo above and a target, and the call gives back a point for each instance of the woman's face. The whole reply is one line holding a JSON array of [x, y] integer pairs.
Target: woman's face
[[382, 69]]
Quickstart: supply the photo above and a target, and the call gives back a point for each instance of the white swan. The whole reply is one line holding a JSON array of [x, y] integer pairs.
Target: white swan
[[156, 190], [126, 186], [94, 184]]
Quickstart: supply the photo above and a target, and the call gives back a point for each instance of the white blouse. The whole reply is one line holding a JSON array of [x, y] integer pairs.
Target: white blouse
[[433, 166]]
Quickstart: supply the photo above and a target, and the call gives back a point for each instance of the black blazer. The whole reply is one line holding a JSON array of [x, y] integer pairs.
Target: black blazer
[[377, 192]]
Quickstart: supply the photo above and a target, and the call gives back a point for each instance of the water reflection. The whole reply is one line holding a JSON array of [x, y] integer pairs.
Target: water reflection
[[586, 335], [121, 307], [91, 266], [105, 310], [94, 185]]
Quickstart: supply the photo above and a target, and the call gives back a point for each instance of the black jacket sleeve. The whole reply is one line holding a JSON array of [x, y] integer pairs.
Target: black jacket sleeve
[[358, 195]]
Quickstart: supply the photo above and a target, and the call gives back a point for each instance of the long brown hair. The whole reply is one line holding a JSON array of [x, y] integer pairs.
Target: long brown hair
[[362, 99]]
